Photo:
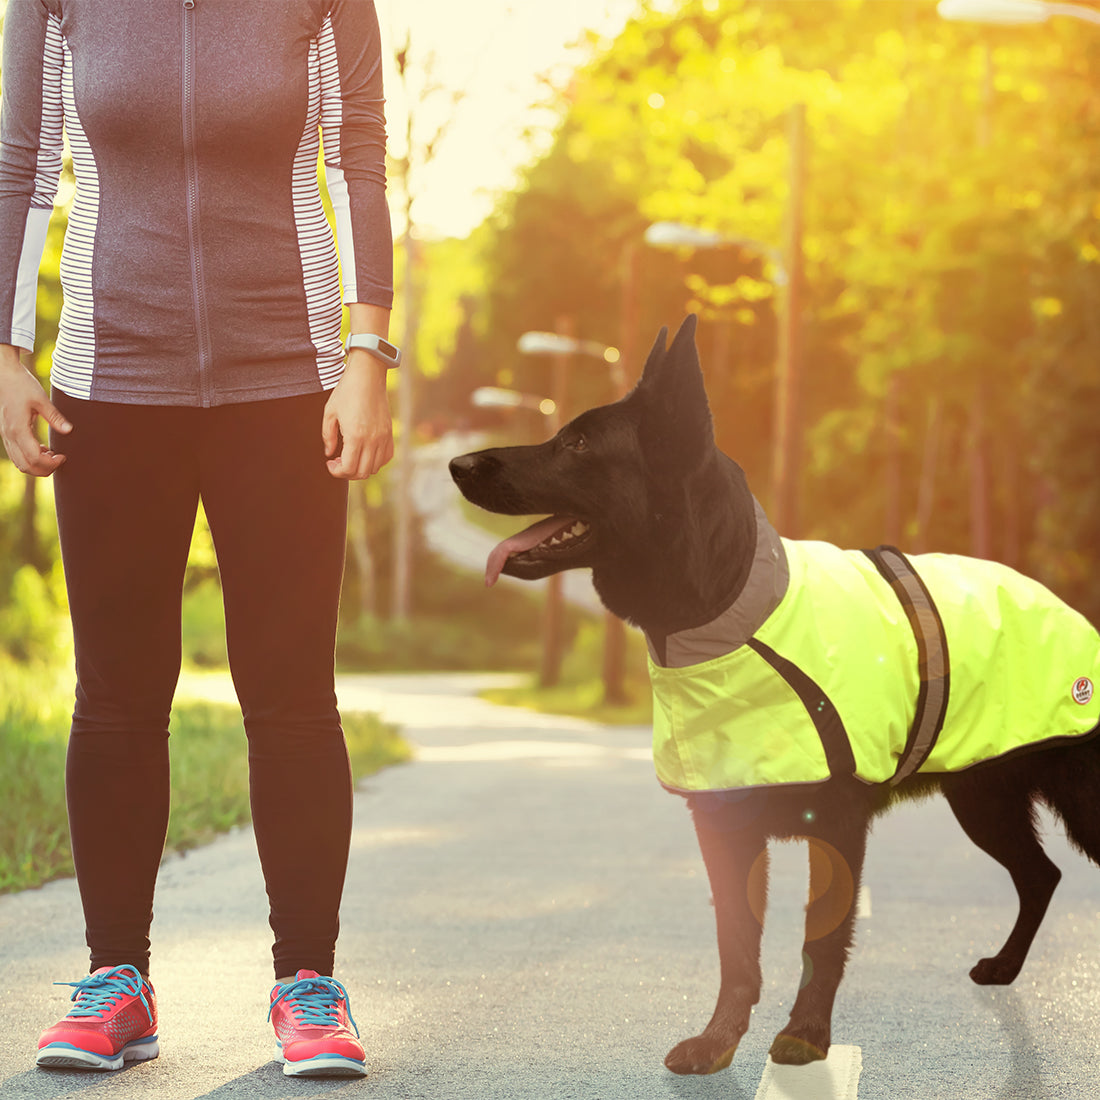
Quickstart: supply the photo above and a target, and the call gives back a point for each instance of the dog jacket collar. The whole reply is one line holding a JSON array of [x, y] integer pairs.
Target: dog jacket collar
[[874, 665], [765, 587]]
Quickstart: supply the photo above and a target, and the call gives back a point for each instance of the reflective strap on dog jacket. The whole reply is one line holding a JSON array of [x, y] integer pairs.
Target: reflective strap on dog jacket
[[876, 665]]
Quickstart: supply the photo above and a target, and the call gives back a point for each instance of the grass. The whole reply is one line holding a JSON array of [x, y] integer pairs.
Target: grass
[[581, 692], [582, 699], [210, 766], [209, 772]]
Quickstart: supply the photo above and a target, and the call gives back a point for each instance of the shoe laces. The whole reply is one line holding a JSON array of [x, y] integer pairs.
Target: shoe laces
[[98, 993], [315, 1002]]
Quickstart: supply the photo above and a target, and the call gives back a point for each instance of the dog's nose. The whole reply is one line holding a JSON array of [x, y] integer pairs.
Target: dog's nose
[[463, 466]]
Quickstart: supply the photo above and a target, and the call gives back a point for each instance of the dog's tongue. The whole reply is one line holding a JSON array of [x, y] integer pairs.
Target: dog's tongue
[[524, 540]]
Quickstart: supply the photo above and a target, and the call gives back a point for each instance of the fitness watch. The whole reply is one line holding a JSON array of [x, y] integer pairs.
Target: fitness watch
[[382, 350]]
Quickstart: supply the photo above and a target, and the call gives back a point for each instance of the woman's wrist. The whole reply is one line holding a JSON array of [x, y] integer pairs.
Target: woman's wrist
[[10, 357], [361, 362]]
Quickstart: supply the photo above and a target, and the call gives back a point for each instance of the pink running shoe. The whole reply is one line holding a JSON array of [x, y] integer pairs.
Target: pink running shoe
[[311, 1019], [114, 1020]]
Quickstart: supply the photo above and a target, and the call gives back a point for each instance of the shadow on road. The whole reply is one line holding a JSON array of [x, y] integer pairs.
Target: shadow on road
[[270, 1083], [720, 1084], [1025, 1079], [52, 1084]]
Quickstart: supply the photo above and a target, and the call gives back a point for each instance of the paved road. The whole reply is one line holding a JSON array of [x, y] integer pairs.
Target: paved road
[[526, 916]]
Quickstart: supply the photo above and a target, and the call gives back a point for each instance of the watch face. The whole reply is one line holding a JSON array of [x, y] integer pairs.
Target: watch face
[[387, 349]]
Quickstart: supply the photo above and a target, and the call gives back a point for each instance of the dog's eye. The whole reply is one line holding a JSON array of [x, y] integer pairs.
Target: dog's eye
[[577, 443]]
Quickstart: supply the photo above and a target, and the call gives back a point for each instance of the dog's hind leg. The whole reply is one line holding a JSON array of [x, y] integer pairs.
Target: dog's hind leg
[[836, 863], [995, 808], [1068, 780], [736, 859]]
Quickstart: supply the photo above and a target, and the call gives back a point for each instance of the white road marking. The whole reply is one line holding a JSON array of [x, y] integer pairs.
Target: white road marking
[[837, 1078], [863, 903]]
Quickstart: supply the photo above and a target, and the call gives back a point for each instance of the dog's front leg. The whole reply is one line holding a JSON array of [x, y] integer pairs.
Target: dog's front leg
[[736, 859], [836, 864]]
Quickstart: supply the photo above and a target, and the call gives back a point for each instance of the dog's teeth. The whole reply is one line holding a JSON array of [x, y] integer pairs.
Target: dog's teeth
[[567, 534]]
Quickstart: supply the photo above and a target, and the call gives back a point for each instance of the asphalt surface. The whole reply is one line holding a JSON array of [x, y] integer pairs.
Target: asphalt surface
[[526, 916]]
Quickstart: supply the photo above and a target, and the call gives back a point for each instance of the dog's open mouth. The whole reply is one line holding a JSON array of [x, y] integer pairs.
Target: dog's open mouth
[[550, 538]]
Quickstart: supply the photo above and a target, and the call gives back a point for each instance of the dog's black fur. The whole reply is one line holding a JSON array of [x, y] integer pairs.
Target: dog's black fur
[[670, 542]]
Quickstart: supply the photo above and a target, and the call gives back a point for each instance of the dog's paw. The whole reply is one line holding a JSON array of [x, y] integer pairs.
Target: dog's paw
[[798, 1050], [702, 1054], [996, 971]]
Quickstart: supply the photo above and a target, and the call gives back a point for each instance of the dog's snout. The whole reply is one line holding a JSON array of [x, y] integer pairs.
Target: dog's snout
[[464, 467]]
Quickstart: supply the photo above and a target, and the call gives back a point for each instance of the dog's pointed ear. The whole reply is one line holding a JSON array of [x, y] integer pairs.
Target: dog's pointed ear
[[676, 428], [656, 357], [685, 337]]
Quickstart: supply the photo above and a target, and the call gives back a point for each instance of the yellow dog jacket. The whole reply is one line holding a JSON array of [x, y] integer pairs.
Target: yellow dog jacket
[[872, 664]]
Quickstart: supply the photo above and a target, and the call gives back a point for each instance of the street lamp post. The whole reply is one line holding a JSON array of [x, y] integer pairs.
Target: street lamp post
[[786, 437], [787, 444], [614, 629]]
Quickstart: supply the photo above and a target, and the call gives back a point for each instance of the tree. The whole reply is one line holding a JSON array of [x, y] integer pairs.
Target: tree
[[951, 248]]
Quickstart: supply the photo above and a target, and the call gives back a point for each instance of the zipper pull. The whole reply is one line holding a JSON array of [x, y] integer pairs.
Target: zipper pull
[[188, 4]]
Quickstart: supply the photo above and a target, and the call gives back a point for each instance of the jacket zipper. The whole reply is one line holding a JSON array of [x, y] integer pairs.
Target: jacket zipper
[[194, 235]]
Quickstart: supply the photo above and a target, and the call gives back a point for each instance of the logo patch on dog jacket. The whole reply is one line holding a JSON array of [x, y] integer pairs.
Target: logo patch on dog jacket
[[878, 665]]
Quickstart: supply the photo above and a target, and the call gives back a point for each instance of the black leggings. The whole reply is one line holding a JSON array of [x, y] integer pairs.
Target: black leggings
[[126, 501]]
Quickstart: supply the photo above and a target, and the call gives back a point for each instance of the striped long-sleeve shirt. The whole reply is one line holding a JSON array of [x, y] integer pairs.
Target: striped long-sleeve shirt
[[198, 266]]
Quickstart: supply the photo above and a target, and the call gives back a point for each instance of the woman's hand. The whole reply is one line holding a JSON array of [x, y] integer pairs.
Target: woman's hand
[[357, 428], [22, 401]]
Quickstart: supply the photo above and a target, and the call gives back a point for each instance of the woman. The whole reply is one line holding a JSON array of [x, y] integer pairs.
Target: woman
[[199, 356]]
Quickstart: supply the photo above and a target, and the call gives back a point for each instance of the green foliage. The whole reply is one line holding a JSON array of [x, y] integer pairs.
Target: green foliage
[[32, 589], [951, 247], [32, 595], [34, 721], [32, 621], [210, 767], [458, 625], [204, 625], [209, 772], [581, 690], [453, 272]]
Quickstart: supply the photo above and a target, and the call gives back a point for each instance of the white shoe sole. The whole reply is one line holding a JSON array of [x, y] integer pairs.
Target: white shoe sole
[[323, 1065], [66, 1056]]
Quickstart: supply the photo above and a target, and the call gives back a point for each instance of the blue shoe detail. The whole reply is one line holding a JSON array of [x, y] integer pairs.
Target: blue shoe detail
[[315, 1002], [98, 993]]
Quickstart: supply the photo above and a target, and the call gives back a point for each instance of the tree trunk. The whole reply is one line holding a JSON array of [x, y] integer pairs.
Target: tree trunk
[[359, 544], [30, 552]]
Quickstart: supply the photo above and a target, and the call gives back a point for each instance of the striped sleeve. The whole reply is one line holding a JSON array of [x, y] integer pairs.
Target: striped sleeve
[[353, 127], [31, 146]]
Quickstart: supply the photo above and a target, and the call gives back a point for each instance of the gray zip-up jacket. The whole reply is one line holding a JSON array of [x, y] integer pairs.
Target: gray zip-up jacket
[[198, 266]]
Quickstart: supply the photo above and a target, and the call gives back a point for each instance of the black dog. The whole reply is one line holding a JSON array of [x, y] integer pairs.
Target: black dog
[[640, 493]]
